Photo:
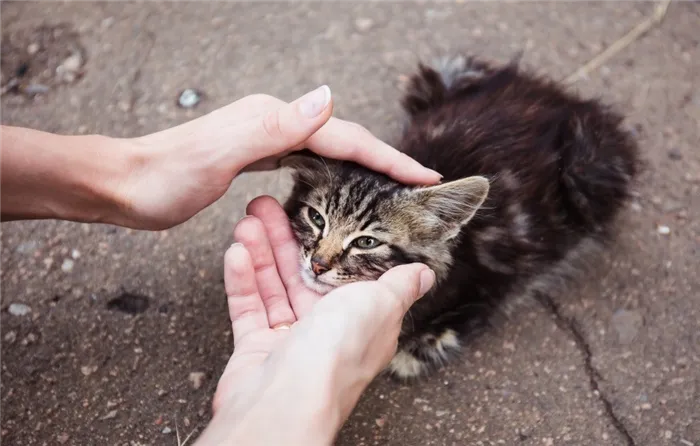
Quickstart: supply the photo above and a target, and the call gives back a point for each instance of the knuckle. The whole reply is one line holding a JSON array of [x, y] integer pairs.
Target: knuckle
[[271, 125], [246, 231], [259, 103]]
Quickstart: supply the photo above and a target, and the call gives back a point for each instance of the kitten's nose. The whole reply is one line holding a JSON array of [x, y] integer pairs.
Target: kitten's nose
[[318, 266]]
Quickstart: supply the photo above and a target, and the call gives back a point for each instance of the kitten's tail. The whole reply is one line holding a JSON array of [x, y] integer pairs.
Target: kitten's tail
[[434, 83], [598, 163]]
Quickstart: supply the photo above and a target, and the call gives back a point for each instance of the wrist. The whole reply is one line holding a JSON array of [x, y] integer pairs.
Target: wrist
[[77, 178]]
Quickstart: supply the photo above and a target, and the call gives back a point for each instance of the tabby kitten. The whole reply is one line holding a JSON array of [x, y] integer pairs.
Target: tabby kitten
[[532, 175]]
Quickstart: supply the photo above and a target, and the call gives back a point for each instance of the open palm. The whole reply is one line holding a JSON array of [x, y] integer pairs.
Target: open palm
[[266, 294]]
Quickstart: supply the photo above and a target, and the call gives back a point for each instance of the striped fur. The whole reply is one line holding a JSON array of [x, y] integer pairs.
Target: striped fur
[[531, 174]]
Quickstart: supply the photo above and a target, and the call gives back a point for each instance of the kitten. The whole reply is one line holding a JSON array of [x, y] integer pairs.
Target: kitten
[[532, 175]]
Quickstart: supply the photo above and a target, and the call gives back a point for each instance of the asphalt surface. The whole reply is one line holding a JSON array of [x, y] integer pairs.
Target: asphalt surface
[[617, 364]]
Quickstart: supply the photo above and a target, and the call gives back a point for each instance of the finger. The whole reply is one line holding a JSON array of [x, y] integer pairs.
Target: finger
[[348, 141], [285, 251], [250, 231], [408, 283], [245, 306], [284, 127]]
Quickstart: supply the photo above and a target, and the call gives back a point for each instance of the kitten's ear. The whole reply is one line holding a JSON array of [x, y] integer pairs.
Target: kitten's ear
[[454, 203], [305, 163]]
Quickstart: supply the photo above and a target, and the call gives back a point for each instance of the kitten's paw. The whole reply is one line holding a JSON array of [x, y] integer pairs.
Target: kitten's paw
[[423, 354]]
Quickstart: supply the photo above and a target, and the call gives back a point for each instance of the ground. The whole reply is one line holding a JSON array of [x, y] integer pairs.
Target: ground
[[126, 332]]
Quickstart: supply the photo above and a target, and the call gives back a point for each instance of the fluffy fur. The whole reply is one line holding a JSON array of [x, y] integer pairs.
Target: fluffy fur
[[532, 174]]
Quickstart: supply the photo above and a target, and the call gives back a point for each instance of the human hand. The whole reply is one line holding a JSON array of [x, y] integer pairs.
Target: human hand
[[180, 171], [300, 362]]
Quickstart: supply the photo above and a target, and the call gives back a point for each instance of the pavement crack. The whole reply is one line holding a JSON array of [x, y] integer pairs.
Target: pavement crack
[[571, 326]]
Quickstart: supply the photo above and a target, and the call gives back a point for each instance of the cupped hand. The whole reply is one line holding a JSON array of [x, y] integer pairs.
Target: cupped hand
[[179, 171], [300, 361]]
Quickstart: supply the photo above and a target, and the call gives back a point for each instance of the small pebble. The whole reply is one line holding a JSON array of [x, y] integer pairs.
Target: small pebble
[[166, 430], [380, 422], [67, 265], [663, 229], [33, 48], [73, 62], [10, 336], [19, 309], [111, 414], [68, 70], [63, 438], [88, 370], [364, 24], [189, 98], [75, 254], [197, 378]]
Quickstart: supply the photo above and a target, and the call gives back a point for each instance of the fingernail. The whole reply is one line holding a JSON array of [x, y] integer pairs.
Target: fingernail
[[312, 104], [236, 245], [436, 173], [427, 280]]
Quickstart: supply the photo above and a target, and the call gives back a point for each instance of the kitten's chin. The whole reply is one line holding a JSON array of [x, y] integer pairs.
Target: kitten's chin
[[314, 284]]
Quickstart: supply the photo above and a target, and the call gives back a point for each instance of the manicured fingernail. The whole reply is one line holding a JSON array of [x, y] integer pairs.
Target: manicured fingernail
[[427, 280], [436, 173], [312, 104], [236, 245]]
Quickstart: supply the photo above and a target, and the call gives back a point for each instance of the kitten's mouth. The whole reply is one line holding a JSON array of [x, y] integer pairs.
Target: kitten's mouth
[[315, 283]]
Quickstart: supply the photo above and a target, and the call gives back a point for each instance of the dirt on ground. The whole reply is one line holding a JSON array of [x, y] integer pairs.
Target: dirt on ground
[[114, 336]]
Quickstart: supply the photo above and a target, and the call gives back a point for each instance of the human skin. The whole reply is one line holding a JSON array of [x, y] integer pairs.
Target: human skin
[[300, 362], [160, 180]]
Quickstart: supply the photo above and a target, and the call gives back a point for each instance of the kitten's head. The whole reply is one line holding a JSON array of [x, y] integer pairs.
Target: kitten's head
[[354, 224]]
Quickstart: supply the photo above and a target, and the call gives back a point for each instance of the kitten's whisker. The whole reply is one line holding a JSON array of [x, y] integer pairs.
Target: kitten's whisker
[[328, 170]]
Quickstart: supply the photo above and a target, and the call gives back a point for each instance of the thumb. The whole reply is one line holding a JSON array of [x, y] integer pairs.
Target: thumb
[[285, 128], [408, 283]]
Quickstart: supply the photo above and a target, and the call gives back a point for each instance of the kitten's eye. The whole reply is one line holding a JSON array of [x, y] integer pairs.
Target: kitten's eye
[[366, 242], [316, 218]]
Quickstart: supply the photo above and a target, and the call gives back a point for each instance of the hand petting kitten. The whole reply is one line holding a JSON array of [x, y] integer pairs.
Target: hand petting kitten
[[163, 179]]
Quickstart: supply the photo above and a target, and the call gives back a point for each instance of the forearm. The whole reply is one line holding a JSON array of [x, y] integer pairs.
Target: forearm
[[64, 177], [287, 403], [274, 420]]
